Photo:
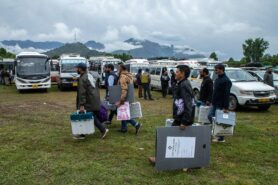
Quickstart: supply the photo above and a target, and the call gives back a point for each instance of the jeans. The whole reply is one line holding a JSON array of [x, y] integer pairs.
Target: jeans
[[124, 124], [210, 116], [147, 90]]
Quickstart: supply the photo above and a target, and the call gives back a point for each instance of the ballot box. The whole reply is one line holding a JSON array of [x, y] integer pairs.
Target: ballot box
[[82, 123], [178, 149], [116, 91], [223, 123], [203, 114], [135, 110], [225, 118]]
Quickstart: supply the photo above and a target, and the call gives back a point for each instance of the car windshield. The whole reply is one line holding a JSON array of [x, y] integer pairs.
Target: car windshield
[[68, 66], [33, 66], [239, 76], [261, 75]]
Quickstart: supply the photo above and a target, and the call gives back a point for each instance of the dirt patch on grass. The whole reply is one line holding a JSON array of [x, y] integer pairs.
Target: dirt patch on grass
[[32, 106]]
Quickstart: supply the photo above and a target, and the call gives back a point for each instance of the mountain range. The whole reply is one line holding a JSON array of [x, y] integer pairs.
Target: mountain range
[[140, 48]]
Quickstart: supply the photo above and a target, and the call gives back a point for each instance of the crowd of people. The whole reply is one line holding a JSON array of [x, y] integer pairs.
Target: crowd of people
[[214, 94]]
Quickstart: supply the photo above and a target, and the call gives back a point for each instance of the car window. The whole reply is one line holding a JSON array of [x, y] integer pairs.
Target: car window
[[194, 73]]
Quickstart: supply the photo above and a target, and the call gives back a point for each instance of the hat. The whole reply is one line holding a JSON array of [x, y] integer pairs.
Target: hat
[[82, 66]]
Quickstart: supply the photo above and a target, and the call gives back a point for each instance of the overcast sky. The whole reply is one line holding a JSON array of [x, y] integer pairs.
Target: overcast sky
[[205, 25]]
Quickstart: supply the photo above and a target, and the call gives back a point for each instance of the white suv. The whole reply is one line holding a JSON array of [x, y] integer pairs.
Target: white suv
[[245, 91]]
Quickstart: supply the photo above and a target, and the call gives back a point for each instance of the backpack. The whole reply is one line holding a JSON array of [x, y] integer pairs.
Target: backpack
[[103, 113], [145, 78]]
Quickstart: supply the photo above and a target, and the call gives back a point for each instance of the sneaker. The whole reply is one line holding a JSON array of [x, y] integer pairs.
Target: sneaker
[[216, 140], [151, 99], [78, 137], [104, 134], [138, 127], [122, 131]]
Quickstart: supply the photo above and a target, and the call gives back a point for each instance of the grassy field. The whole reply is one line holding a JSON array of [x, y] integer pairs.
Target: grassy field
[[36, 146]]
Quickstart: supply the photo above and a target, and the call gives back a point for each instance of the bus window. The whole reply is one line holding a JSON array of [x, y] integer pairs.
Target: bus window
[[158, 71], [152, 71]]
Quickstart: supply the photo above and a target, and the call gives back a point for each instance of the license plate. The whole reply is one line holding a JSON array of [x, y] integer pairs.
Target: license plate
[[74, 84], [263, 100], [35, 86]]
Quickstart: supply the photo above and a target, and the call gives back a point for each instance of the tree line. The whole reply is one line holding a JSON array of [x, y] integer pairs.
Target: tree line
[[254, 53]]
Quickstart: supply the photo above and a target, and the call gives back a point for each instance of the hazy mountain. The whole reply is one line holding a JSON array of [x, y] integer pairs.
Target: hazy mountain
[[139, 49], [77, 48], [149, 49], [94, 45], [31, 44]]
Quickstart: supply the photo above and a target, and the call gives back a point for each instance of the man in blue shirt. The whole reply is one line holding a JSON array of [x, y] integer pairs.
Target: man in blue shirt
[[112, 79]]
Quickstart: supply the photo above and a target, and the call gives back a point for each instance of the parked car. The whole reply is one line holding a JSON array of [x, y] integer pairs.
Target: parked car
[[259, 75], [245, 91]]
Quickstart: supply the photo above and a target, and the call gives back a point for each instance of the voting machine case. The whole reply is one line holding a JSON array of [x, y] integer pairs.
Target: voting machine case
[[116, 91], [201, 157]]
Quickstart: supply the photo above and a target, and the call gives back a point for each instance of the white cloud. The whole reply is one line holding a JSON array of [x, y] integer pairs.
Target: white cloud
[[9, 33], [237, 27], [119, 45], [60, 32]]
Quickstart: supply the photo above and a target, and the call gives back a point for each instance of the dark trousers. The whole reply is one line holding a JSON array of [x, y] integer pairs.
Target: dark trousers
[[178, 123], [97, 123], [111, 115], [147, 90], [140, 91], [164, 90]]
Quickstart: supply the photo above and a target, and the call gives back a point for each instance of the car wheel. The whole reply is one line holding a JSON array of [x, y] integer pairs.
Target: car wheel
[[233, 103], [264, 107], [196, 94]]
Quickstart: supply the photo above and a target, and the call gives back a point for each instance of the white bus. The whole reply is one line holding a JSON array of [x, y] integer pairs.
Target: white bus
[[97, 68], [32, 71], [68, 77]]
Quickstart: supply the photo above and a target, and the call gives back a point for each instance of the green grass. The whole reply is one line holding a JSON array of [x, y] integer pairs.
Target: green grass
[[36, 146]]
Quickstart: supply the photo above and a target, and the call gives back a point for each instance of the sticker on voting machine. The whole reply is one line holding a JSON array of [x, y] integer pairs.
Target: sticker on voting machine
[[180, 147], [226, 116]]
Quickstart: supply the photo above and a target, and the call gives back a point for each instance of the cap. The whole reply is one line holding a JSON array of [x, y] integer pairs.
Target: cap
[[82, 66]]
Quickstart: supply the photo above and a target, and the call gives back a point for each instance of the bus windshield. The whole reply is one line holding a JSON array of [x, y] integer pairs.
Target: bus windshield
[[33, 66], [68, 66]]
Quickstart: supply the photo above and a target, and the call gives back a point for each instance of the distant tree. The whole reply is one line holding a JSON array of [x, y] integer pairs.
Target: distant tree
[[55, 57], [253, 49], [5, 54], [124, 57], [213, 55], [231, 60]]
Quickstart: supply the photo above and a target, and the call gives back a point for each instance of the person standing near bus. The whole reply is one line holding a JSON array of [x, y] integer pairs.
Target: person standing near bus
[[139, 83], [146, 82], [164, 79]]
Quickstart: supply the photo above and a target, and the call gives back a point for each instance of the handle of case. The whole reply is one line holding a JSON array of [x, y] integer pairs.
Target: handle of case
[[79, 111]]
